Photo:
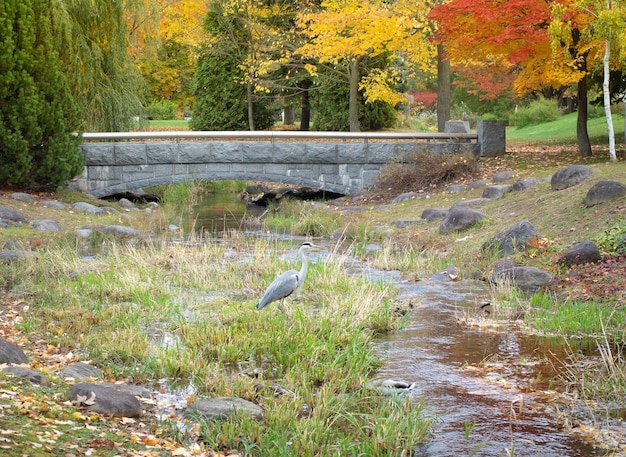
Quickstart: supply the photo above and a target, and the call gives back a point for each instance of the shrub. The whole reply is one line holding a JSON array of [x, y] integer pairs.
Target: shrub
[[537, 112], [161, 109], [426, 170]]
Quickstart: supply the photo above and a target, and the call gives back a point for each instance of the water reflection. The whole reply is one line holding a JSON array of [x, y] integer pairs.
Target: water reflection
[[479, 385], [219, 212]]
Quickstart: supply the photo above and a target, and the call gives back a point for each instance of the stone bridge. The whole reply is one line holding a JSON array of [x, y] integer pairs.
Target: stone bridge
[[336, 162]]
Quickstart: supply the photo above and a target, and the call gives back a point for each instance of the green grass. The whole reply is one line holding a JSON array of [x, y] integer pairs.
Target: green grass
[[178, 123], [563, 130]]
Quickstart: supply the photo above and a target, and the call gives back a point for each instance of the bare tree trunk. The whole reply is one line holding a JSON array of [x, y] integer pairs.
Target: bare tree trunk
[[353, 104], [250, 107], [443, 89], [607, 101]]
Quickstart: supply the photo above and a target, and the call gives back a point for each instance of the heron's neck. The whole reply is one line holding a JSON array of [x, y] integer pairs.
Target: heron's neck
[[304, 268]]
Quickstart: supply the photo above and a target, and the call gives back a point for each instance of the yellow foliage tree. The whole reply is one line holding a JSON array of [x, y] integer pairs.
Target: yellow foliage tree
[[345, 32]]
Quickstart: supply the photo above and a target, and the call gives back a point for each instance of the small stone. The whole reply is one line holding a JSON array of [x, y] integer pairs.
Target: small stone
[[10, 353]]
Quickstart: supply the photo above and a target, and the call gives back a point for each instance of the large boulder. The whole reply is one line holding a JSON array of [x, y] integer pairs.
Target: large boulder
[[513, 239], [105, 399], [604, 191], [528, 279], [10, 214], [460, 218], [581, 253], [570, 176]]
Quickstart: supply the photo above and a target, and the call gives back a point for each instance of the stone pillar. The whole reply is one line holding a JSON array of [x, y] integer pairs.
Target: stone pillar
[[491, 137], [457, 127]]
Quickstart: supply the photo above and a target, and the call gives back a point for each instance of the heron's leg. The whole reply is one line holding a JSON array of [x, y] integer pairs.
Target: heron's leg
[[282, 309]]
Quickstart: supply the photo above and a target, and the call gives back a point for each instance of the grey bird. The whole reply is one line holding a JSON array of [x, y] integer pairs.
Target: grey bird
[[288, 282]]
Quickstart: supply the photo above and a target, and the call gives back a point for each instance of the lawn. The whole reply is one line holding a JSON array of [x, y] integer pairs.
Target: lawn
[[563, 130]]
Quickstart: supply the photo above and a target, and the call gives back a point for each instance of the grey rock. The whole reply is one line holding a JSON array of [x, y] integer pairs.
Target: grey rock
[[10, 353], [456, 188], [88, 208], [53, 204], [513, 239], [528, 279], [408, 196], [14, 255], [13, 246], [431, 214], [105, 399], [83, 233], [604, 191], [476, 184], [498, 191], [46, 225], [256, 189], [581, 253], [23, 197], [503, 176], [457, 127], [33, 376], [524, 183], [121, 231], [10, 214], [126, 203], [221, 408], [81, 371], [570, 176], [460, 219], [491, 137], [109, 209]]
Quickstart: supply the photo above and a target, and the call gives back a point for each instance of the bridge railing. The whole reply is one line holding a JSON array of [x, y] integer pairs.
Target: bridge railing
[[271, 135]]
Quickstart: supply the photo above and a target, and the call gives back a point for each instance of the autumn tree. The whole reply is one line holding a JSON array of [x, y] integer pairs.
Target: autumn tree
[[597, 24], [164, 37], [496, 38], [342, 35], [38, 115]]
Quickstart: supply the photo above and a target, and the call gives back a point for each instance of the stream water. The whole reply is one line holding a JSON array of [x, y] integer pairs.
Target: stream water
[[482, 387]]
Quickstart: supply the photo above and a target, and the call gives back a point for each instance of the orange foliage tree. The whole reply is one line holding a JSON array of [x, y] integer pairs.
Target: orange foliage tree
[[512, 38]]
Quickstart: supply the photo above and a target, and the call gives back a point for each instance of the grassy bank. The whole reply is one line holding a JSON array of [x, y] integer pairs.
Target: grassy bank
[[118, 309]]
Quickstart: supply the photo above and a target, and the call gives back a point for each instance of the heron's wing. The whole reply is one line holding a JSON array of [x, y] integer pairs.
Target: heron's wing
[[281, 287]]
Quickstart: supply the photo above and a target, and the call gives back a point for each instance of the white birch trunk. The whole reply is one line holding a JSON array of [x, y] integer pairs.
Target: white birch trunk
[[607, 101]]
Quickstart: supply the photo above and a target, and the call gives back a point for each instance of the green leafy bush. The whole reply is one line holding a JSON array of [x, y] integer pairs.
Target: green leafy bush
[[537, 112], [161, 109], [613, 240]]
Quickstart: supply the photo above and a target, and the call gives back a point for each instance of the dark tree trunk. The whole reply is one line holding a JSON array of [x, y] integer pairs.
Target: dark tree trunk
[[289, 115], [443, 89], [582, 135], [353, 104], [305, 114]]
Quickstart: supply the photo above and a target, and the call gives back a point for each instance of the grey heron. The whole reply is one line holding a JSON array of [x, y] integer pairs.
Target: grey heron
[[289, 281]]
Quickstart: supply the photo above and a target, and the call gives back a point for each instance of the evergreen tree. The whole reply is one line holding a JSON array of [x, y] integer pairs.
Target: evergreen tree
[[221, 102], [38, 116]]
